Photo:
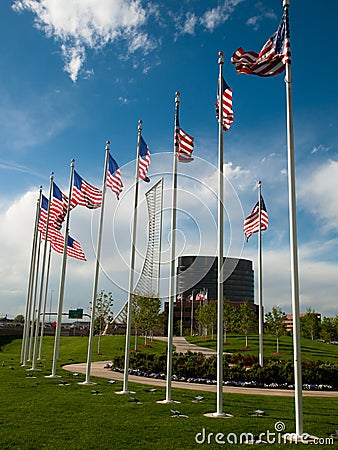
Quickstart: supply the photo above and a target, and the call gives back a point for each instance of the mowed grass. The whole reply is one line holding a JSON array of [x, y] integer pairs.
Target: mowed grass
[[39, 413], [311, 350]]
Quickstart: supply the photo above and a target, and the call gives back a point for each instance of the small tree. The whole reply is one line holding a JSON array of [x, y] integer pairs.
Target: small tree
[[145, 315], [206, 316], [247, 320], [19, 319], [328, 329], [103, 314], [275, 323], [310, 324], [229, 317]]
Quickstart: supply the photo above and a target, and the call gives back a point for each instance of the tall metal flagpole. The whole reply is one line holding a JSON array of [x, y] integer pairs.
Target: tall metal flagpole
[[132, 266], [62, 280], [260, 290], [293, 246], [28, 311], [220, 263], [97, 269], [172, 277], [45, 303], [219, 411], [35, 293], [42, 279]]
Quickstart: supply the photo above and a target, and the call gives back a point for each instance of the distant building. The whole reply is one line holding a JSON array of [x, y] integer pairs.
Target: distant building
[[289, 320], [199, 273], [197, 285]]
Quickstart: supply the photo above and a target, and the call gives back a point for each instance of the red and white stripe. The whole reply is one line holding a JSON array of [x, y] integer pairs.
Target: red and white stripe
[[185, 146], [143, 166], [114, 181]]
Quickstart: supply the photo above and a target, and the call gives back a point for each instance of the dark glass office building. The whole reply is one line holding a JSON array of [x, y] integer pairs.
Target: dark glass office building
[[199, 273]]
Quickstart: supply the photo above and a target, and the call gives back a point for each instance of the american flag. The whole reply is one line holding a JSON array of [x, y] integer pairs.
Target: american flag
[[84, 194], [43, 216], [271, 59], [144, 161], [185, 144], [58, 208], [74, 249], [42, 224], [251, 223], [114, 180], [227, 112]]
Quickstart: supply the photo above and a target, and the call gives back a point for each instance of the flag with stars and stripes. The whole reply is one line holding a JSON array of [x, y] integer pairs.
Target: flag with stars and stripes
[[144, 160], [273, 57], [74, 249], [84, 194], [227, 112], [114, 180], [252, 223]]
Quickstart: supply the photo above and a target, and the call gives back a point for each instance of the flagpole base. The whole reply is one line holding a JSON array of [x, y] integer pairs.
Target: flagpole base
[[166, 402], [86, 383], [217, 415], [124, 392], [33, 369], [53, 376]]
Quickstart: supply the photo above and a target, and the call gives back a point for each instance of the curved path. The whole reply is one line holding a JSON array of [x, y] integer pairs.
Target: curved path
[[182, 346]]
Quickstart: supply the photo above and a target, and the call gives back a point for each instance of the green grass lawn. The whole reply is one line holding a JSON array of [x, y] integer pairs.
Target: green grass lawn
[[39, 413], [311, 350]]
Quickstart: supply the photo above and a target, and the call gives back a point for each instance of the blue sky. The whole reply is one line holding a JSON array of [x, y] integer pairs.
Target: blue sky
[[78, 72]]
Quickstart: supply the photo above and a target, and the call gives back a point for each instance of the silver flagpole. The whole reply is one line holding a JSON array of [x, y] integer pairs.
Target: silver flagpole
[[45, 302], [132, 266], [28, 311], [97, 269], [220, 260], [42, 279], [62, 280], [172, 277], [219, 412], [36, 280], [293, 248], [260, 291]]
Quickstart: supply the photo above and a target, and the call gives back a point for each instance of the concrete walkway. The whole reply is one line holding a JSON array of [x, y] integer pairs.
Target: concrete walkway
[[98, 370], [182, 346]]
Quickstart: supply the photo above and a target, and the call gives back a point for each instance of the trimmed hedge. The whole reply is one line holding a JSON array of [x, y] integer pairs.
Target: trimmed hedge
[[239, 368]]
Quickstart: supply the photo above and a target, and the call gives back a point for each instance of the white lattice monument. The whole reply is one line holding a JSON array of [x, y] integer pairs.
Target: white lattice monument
[[148, 284]]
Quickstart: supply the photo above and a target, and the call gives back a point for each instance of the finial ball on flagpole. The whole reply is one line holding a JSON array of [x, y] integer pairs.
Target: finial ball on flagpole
[[107, 142], [220, 53], [286, 3]]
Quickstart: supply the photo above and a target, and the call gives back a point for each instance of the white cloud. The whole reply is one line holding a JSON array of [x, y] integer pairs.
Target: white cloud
[[81, 24], [255, 21], [217, 16], [197, 225], [318, 194], [319, 149], [189, 24]]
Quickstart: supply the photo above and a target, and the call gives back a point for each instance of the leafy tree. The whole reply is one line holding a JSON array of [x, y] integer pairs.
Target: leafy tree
[[19, 319], [275, 323], [247, 320], [145, 315], [206, 316], [310, 324], [229, 317], [103, 314], [328, 329]]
